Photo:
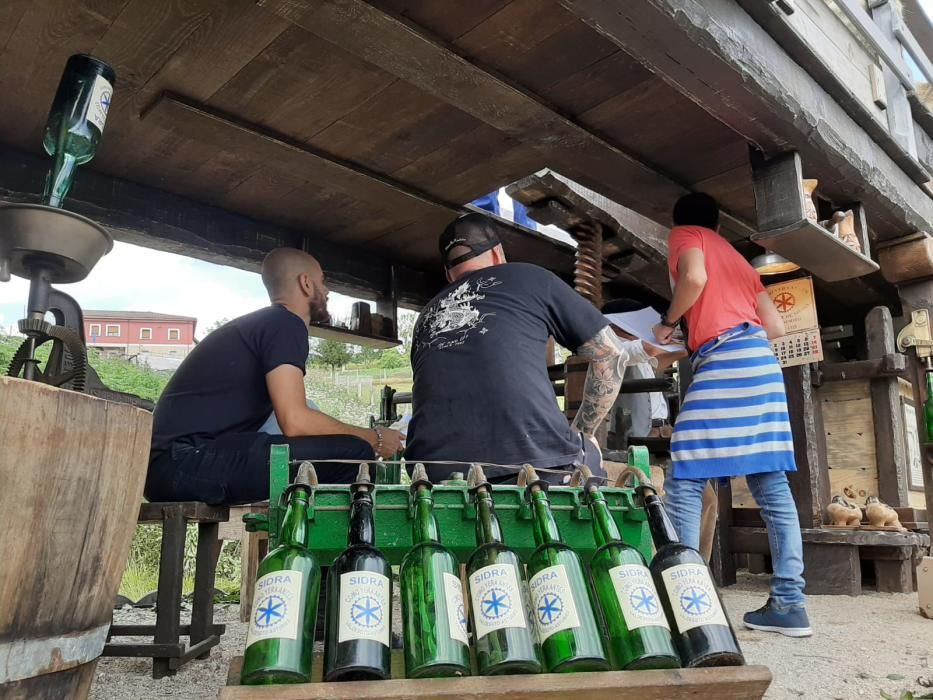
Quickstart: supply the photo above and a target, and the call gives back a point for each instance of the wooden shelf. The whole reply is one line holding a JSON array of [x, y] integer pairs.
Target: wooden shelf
[[345, 335], [817, 250]]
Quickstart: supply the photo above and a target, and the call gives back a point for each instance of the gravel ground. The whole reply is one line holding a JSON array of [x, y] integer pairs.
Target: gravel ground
[[861, 647]]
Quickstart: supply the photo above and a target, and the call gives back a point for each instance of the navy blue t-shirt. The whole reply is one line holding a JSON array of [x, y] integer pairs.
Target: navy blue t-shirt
[[220, 388], [481, 391]]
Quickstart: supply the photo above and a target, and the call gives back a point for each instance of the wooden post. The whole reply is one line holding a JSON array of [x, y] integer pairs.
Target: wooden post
[[387, 306], [915, 296], [810, 483], [890, 437]]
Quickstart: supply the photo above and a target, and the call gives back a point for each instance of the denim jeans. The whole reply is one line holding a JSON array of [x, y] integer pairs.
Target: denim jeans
[[683, 499]]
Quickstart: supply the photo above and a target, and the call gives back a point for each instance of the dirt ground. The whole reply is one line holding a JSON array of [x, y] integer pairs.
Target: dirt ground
[[861, 647]]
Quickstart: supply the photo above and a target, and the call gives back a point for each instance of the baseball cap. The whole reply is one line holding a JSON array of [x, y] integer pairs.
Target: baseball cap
[[467, 237]]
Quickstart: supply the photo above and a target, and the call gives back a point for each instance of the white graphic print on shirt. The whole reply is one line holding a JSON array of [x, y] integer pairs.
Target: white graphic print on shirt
[[450, 322]]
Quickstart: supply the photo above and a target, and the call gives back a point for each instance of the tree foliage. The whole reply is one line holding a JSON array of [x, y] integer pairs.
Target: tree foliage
[[333, 354]]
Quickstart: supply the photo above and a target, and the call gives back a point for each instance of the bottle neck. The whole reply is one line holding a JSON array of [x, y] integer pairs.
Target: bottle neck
[[424, 526], [59, 178], [295, 524], [605, 529], [929, 374], [487, 522], [662, 529], [543, 525], [362, 528]]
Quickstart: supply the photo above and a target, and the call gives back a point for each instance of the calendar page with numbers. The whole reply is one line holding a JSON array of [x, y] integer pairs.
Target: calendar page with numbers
[[795, 302]]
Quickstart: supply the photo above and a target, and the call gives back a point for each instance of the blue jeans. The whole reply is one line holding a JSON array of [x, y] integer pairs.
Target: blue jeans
[[683, 499]]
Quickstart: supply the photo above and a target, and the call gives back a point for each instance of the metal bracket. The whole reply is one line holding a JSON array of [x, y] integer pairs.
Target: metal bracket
[[917, 335]]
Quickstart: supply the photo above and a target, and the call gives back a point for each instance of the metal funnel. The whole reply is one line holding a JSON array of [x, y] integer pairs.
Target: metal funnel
[[34, 236]]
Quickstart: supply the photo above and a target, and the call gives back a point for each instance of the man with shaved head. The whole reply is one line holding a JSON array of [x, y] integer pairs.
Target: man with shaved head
[[207, 438]]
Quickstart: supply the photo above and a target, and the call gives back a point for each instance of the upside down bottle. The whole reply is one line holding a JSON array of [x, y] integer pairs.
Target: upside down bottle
[[76, 121], [433, 613], [701, 630], [280, 640], [359, 598], [499, 602], [639, 634], [562, 600]]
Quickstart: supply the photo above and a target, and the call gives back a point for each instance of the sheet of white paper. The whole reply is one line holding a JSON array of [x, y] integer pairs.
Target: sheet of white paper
[[640, 324]]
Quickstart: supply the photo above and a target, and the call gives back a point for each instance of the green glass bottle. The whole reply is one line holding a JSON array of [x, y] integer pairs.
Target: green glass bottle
[[76, 121], [359, 599], [434, 621], [639, 634], [701, 630], [499, 602], [928, 406], [562, 600], [280, 640]]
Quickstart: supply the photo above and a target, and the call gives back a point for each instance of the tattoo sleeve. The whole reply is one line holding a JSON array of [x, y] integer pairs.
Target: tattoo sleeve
[[608, 356], [603, 379]]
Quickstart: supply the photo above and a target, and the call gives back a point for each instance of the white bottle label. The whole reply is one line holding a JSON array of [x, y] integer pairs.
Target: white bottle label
[[553, 603], [101, 94], [496, 599], [693, 597], [638, 598], [365, 607], [276, 607], [456, 611]]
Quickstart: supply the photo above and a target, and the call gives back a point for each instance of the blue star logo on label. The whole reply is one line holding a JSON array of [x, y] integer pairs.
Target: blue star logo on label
[[270, 611], [550, 609], [695, 601], [644, 601], [105, 101], [495, 604], [461, 617], [366, 612]]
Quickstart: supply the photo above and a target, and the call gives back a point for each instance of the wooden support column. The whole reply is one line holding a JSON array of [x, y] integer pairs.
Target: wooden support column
[[890, 437], [909, 264], [915, 296], [810, 483]]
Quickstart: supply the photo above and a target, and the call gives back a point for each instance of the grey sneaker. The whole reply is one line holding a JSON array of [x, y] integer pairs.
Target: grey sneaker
[[791, 622]]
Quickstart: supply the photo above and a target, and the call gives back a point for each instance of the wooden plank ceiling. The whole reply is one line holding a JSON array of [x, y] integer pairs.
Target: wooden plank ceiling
[[406, 153]]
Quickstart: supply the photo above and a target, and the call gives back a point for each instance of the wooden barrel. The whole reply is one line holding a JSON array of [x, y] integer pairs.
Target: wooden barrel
[[72, 469]]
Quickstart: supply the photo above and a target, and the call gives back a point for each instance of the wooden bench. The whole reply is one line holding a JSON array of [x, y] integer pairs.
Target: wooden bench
[[166, 650], [833, 558]]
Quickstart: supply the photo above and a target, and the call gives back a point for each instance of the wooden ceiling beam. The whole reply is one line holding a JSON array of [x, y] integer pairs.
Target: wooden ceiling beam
[[164, 221], [431, 64], [206, 125], [719, 56]]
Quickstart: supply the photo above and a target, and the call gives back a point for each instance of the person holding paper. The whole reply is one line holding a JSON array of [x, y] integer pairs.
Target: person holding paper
[[734, 419]]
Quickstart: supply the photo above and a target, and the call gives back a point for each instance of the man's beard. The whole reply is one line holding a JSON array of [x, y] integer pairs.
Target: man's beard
[[317, 308]]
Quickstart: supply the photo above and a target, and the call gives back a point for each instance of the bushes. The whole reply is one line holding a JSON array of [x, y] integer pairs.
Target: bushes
[[142, 568]]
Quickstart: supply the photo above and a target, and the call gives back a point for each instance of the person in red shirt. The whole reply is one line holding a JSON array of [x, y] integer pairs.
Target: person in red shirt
[[734, 419]]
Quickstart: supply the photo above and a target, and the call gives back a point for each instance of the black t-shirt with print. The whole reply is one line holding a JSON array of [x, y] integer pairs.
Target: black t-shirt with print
[[220, 388], [481, 391]]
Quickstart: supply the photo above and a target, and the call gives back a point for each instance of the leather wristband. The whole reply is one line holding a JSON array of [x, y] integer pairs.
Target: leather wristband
[[669, 324]]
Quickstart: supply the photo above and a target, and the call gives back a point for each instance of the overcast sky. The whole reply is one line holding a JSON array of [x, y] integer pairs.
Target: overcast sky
[[139, 279]]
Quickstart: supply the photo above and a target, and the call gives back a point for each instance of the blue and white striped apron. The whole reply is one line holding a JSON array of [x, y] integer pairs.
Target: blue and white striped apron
[[734, 418]]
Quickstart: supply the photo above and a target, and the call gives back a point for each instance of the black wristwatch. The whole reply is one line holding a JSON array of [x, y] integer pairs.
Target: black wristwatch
[[669, 324]]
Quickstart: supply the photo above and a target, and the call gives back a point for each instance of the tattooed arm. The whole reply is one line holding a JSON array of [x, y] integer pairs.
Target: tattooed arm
[[608, 356]]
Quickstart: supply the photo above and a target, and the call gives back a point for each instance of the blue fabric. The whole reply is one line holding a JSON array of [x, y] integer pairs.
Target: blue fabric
[[734, 418], [488, 202], [520, 215], [683, 499]]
